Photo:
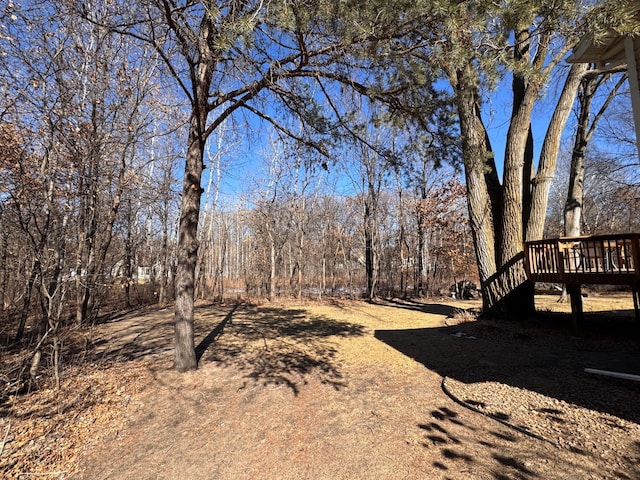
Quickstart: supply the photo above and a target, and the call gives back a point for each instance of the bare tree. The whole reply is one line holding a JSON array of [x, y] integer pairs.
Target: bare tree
[[82, 100], [585, 129]]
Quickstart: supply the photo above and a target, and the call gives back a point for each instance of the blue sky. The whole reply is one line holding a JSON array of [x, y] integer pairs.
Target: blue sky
[[243, 163]]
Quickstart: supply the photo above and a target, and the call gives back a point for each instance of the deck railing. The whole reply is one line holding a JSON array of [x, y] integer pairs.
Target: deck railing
[[605, 259]]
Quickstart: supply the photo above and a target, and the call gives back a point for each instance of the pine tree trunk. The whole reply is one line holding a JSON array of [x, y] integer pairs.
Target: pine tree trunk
[[185, 354], [518, 160]]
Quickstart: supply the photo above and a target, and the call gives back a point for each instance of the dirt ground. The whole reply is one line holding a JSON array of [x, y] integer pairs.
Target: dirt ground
[[348, 390]]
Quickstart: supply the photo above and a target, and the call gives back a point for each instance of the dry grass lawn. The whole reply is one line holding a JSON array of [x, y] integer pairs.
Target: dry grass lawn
[[344, 390]]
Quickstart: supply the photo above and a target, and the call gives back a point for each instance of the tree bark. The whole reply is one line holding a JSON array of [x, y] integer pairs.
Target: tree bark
[[549, 154], [185, 354], [128, 257], [584, 131], [271, 286], [478, 163], [4, 271], [164, 249], [369, 249], [26, 301]]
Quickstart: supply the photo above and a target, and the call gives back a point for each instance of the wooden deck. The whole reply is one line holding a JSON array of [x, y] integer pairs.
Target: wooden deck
[[575, 261]]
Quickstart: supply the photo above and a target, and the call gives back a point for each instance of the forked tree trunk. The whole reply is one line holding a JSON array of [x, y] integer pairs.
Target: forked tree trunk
[[503, 216], [513, 287]]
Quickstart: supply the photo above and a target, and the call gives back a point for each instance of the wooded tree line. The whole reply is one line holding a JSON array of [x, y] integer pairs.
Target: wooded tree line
[[299, 241], [292, 236], [109, 104], [86, 165]]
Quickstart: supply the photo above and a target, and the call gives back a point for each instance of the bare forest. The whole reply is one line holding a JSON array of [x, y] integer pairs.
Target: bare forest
[[92, 146], [342, 174]]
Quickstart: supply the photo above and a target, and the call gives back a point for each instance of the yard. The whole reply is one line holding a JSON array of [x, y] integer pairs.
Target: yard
[[344, 390]]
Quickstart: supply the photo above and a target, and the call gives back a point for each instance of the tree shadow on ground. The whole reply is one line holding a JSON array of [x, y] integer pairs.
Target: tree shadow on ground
[[418, 306], [438, 431], [275, 346], [143, 337], [214, 334], [138, 335], [502, 453], [541, 355], [283, 346]]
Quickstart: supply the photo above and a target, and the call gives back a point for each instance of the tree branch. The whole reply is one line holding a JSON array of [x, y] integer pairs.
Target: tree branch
[[605, 105], [305, 141]]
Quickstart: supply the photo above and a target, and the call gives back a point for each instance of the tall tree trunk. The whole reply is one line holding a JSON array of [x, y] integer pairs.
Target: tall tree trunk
[[584, 132], [164, 249], [323, 262], [516, 292], [85, 241], [222, 261], [575, 192], [185, 355], [164, 253], [369, 251], [128, 258], [26, 299], [4, 271], [37, 250], [298, 267], [90, 217], [541, 184], [202, 74], [421, 218], [53, 289], [479, 176], [401, 244], [271, 283]]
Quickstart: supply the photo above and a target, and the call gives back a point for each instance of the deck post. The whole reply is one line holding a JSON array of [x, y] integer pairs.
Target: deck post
[[577, 312], [635, 253]]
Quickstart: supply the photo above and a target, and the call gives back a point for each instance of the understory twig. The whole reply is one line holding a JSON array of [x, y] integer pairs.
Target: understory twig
[[44, 474], [4, 441]]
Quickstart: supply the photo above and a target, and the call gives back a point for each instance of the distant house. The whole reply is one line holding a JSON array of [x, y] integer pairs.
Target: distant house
[[143, 274]]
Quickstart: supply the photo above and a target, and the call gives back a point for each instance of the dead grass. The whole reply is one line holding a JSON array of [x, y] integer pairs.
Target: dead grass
[[333, 390]]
